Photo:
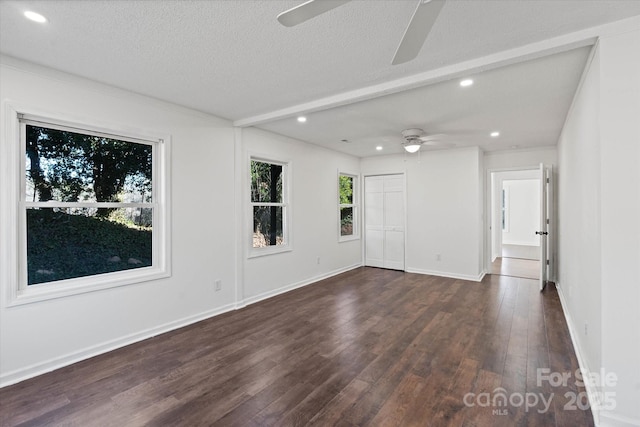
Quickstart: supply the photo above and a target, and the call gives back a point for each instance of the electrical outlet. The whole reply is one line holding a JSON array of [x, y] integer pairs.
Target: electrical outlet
[[318, 261], [218, 285], [586, 328], [438, 257]]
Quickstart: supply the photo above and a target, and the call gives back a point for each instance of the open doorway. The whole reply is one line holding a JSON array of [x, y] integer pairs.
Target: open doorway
[[515, 218]]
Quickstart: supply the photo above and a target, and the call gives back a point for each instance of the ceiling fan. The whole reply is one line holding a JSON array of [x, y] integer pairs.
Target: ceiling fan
[[415, 138], [414, 37]]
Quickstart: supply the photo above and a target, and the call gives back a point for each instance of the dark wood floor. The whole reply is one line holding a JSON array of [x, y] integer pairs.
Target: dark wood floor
[[368, 347]]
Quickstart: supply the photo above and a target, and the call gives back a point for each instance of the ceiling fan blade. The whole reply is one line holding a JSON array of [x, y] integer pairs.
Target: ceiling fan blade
[[417, 31], [438, 143], [307, 10], [433, 137]]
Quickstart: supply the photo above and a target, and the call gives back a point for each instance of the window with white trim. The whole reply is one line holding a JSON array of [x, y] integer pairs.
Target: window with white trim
[[92, 209], [348, 206], [269, 206]]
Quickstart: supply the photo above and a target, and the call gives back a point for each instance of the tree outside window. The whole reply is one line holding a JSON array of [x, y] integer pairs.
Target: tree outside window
[[268, 203], [88, 203], [347, 205]]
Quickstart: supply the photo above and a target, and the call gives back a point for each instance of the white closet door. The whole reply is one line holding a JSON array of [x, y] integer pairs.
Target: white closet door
[[384, 221], [374, 214]]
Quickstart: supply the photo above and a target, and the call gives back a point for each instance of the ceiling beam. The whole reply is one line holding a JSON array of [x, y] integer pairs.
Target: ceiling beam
[[528, 52]]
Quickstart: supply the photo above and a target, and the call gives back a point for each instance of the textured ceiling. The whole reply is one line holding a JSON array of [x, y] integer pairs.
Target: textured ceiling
[[234, 60], [526, 102]]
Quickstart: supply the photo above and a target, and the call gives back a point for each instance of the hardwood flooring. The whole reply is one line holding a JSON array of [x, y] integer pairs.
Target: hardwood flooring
[[525, 268], [367, 347]]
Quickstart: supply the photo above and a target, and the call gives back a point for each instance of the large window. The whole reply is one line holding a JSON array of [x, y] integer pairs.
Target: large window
[[91, 209], [347, 206], [269, 205]]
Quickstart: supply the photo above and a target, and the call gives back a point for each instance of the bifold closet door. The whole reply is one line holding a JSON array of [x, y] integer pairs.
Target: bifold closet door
[[384, 221]]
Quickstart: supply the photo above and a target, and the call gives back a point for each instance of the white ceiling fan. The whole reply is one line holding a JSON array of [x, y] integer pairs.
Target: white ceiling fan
[[414, 37], [415, 138]]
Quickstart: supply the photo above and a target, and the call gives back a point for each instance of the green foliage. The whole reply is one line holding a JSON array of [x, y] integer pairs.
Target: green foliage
[[71, 167], [346, 221], [63, 246], [267, 187], [346, 189], [266, 182]]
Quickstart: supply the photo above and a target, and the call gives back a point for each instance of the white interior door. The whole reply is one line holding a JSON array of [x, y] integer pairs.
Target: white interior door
[[543, 230], [374, 223], [384, 221]]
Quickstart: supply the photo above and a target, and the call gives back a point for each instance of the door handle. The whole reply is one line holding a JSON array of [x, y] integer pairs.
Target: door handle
[[542, 233]]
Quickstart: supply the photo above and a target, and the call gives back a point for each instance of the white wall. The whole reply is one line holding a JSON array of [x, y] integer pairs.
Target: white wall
[[523, 204], [520, 159], [620, 217], [209, 169], [443, 209], [599, 207], [579, 216], [42, 335], [314, 187]]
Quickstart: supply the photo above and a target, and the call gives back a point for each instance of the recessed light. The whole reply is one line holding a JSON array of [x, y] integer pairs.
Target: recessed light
[[495, 134], [379, 148], [36, 17], [466, 82], [302, 119]]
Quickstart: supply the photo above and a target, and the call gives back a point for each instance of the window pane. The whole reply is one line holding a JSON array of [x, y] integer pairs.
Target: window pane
[[346, 190], [63, 243], [266, 182], [73, 167], [346, 221], [267, 226]]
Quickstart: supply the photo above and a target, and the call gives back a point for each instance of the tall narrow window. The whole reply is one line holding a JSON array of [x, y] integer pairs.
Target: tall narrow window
[[90, 208], [347, 206], [269, 204], [505, 209]]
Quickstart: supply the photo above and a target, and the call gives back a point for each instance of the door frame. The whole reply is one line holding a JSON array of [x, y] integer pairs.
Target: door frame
[[487, 244], [364, 220]]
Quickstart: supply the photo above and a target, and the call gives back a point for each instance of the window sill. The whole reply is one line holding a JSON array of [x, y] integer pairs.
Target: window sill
[[342, 239], [81, 285], [272, 250]]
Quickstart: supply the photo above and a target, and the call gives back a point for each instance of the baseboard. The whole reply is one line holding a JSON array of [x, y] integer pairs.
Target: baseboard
[[592, 392], [477, 278], [521, 243], [34, 370], [265, 295]]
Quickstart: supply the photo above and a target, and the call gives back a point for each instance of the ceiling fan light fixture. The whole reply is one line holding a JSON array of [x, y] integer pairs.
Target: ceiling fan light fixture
[[412, 146]]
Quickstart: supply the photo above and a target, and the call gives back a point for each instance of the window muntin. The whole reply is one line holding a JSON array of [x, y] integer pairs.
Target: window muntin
[[269, 204], [347, 206]]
